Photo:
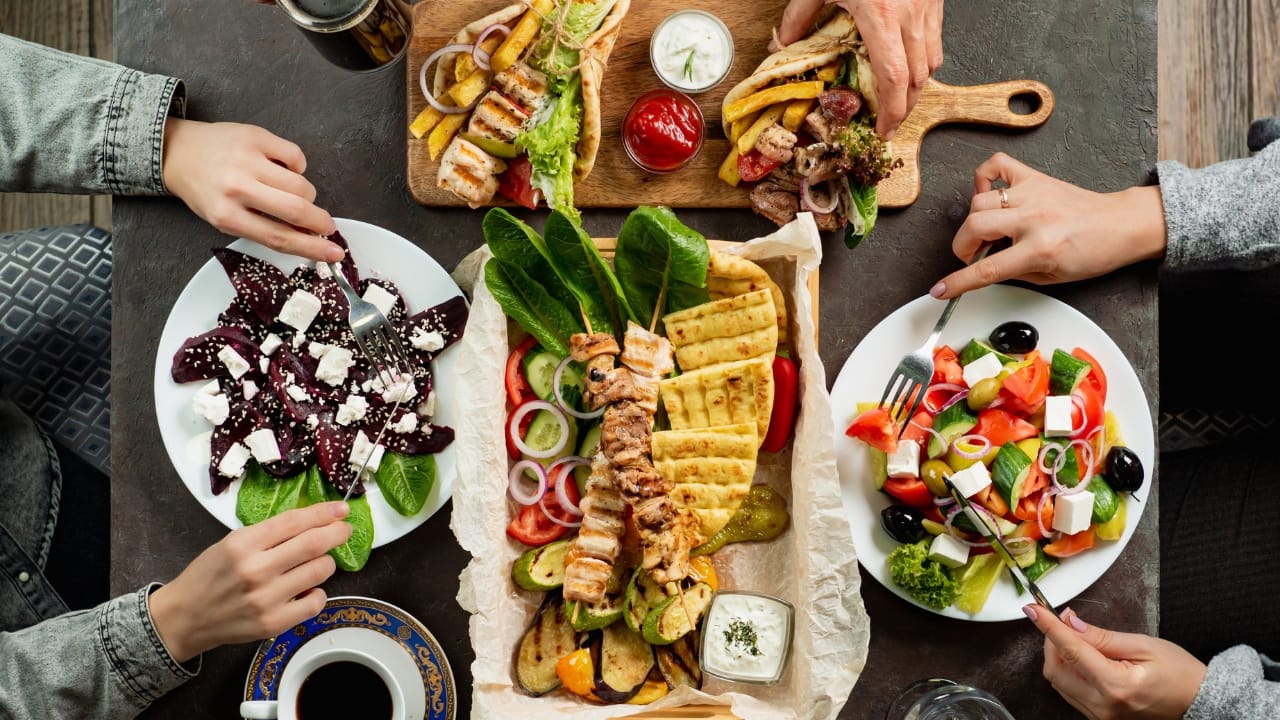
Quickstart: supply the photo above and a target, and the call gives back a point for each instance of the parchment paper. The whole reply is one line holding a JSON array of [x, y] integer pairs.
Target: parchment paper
[[812, 564]]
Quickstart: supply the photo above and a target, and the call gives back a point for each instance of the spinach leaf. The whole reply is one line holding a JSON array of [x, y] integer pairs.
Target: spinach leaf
[[661, 263], [862, 215], [515, 243], [354, 553], [262, 496], [528, 302], [577, 260], [406, 481]]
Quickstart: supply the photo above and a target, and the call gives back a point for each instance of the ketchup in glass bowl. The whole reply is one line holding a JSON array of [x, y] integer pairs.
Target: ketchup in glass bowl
[[663, 130]]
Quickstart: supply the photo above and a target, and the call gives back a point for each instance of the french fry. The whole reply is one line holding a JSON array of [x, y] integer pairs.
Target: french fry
[[827, 73], [520, 36], [739, 126], [443, 132], [428, 118], [770, 116], [770, 96], [465, 64], [729, 169], [793, 117], [466, 92]]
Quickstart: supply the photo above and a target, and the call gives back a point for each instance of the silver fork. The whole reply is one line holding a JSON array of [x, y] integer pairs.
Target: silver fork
[[915, 370], [379, 343]]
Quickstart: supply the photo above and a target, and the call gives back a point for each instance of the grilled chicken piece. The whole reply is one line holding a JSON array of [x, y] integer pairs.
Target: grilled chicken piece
[[497, 118], [590, 557], [667, 534], [642, 482], [621, 384], [469, 172], [647, 353], [821, 162], [583, 347], [770, 200], [777, 143], [525, 85], [819, 125]]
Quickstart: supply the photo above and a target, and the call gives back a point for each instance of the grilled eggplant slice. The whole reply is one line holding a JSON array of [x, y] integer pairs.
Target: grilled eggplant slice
[[624, 665], [678, 663], [548, 639]]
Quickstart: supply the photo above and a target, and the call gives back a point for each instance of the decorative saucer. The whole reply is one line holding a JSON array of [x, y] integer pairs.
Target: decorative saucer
[[381, 629]]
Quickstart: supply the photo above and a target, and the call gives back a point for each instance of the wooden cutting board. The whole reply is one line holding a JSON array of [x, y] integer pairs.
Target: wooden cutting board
[[617, 182]]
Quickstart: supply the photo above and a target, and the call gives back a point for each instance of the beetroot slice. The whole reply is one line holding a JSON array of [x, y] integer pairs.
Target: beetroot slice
[[333, 450], [418, 442], [197, 359], [449, 318], [239, 423], [349, 268], [262, 286]]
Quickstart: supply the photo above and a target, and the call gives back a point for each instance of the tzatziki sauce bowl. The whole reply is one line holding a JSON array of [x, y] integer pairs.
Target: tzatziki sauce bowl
[[746, 637], [691, 50]]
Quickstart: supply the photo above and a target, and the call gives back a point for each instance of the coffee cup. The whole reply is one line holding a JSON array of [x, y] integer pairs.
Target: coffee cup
[[334, 683]]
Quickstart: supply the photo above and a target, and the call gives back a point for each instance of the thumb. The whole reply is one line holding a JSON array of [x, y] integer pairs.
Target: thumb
[[1076, 652], [797, 20]]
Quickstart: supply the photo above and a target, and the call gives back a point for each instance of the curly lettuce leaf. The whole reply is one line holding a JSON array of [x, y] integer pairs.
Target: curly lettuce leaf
[[552, 146]]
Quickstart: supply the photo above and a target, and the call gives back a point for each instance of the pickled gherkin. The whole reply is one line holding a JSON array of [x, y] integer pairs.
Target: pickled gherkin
[[761, 516]]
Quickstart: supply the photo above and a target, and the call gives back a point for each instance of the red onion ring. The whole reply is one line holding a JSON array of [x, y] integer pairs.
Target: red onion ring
[[951, 516], [1044, 497], [517, 474], [562, 496], [426, 91], [1078, 402], [481, 57], [984, 444], [513, 427], [949, 387], [931, 431], [542, 505], [555, 392], [806, 197]]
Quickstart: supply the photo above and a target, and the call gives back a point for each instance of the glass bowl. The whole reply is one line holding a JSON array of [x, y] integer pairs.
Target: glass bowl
[[640, 142], [691, 51], [728, 624]]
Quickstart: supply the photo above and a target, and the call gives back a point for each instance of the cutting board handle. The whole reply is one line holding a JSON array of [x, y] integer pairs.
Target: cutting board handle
[[940, 103]]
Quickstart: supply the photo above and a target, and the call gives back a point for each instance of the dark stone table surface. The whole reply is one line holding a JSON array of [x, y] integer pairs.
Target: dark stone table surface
[[244, 62]]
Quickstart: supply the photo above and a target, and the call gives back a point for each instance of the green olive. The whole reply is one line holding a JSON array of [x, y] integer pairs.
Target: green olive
[[932, 473], [983, 394]]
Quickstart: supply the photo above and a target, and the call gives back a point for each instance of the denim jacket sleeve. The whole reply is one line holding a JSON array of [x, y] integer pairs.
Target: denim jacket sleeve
[[76, 124], [103, 663]]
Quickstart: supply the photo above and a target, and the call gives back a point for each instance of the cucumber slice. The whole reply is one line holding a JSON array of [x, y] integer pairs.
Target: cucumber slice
[[1066, 372], [1105, 500], [669, 622], [977, 348], [540, 370], [879, 466], [1010, 471], [1069, 473], [541, 568], [950, 424], [588, 448], [544, 432], [1042, 565], [642, 595], [593, 616]]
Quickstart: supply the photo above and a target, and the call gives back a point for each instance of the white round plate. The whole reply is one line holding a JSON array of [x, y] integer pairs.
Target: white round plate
[[377, 253], [863, 378]]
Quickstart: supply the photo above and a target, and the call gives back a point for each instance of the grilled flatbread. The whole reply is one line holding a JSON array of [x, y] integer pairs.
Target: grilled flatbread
[[729, 275], [727, 330], [711, 470], [723, 394]]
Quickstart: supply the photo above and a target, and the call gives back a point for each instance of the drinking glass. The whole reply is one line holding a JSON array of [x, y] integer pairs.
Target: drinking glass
[[358, 35], [939, 699]]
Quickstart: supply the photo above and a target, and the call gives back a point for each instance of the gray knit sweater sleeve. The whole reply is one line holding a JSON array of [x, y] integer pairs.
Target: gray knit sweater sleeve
[[1224, 216], [1240, 685]]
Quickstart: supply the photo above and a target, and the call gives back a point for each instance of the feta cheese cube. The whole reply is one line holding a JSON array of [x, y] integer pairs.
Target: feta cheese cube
[[407, 423], [380, 298], [250, 389], [427, 407], [1073, 513], [214, 408], [402, 389], [313, 421], [1057, 416], [297, 393], [270, 343], [299, 310], [351, 410], [298, 340], [363, 448], [948, 550], [322, 270], [264, 364], [232, 464], [235, 362], [210, 388], [427, 341], [334, 365], [987, 366], [262, 443], [317, 350], [971, 480], [905, 461]]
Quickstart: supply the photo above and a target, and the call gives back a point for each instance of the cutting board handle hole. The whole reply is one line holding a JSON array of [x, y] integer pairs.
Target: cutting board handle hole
[[1025, 103]]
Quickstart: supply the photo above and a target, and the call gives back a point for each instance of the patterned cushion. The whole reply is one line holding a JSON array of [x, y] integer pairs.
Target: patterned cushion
[[55, 333]]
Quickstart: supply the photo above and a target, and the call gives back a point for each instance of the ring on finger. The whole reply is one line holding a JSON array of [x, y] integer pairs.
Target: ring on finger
[[1004, 198]]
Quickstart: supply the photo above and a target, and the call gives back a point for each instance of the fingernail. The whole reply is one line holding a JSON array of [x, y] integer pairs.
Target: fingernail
[[1030, 612], [889, 135], [1074, 620], [334, 254], [938, 291], [341, 510]]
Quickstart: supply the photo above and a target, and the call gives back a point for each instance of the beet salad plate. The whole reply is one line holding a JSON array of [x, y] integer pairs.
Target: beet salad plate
[[260, 380], [1060, 326]]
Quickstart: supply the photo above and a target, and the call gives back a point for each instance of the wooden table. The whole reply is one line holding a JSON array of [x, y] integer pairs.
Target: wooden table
[[244, 62]]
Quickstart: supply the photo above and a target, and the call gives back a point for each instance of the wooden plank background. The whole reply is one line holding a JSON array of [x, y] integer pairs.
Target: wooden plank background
[[1219, 69]]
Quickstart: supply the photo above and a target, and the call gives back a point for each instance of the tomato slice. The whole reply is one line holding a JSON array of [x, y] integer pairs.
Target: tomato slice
[[1001, 426], [910, 490], [515, 183], [991, 499], [518, 389], [1090, 404], [1026, 509], [1097, 375], [918, 428], [1028, 386], [532, 527], [946, 366], [754, 166], [876, 428], [1069, 545]]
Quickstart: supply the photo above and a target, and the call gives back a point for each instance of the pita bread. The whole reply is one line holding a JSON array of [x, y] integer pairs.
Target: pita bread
[[593, 58], [710, 469], [835, 37], [729, 275]]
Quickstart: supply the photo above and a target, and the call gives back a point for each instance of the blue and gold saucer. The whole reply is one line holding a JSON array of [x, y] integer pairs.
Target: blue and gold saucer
[[410, 652]]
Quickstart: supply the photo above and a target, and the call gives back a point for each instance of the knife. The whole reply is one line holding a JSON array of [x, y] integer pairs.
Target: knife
[[999, 547]]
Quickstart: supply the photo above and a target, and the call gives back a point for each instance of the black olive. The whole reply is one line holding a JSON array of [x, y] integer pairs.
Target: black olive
[[1124, 469], [1015, 336], [904, 524]]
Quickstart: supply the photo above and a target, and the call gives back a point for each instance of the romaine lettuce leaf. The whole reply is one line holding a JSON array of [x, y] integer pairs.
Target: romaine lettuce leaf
[[661, 264], [525, 300], [577, 260], [551, 144]]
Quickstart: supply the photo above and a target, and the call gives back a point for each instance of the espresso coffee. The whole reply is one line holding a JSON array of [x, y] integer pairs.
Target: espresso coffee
[[344, 690]]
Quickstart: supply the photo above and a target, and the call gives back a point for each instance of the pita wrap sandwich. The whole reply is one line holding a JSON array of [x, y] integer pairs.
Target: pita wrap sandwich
[[803, 128], [514, 101]]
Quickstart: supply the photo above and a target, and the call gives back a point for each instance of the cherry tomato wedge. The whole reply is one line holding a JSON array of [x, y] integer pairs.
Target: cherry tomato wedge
[[1091, 404], [754, 166], [946, 366], [1026, 389], [918, 428], [1001, 426], [1097, 375], [786, 392], [515, 183], [911, 491], [518, 389], [876, 428]]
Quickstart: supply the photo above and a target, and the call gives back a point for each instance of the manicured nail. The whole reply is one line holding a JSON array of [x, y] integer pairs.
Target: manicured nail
[[1030, 611], [1074, 620], [341, 510], [938, 290]]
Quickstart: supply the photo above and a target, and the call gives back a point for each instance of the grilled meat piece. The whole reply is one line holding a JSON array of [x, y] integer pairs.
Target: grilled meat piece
[[833, 220], [621, 384], [774, 202], [497, 118], [469, 172], [583, 347], [647, 353], [590, 557], [524, 85], [642, 482], [786, 177], [776, 143], [821, 162], [840, 104], [819, 125], [626, 425]]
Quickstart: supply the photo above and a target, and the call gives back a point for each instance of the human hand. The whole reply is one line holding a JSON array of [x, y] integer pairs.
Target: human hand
[[904, 45], [1106, 674], [245, 181], [1060, 232], [254, 583]]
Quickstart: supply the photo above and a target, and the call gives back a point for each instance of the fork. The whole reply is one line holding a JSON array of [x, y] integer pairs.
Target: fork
[[915, 370], [379, 343]]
